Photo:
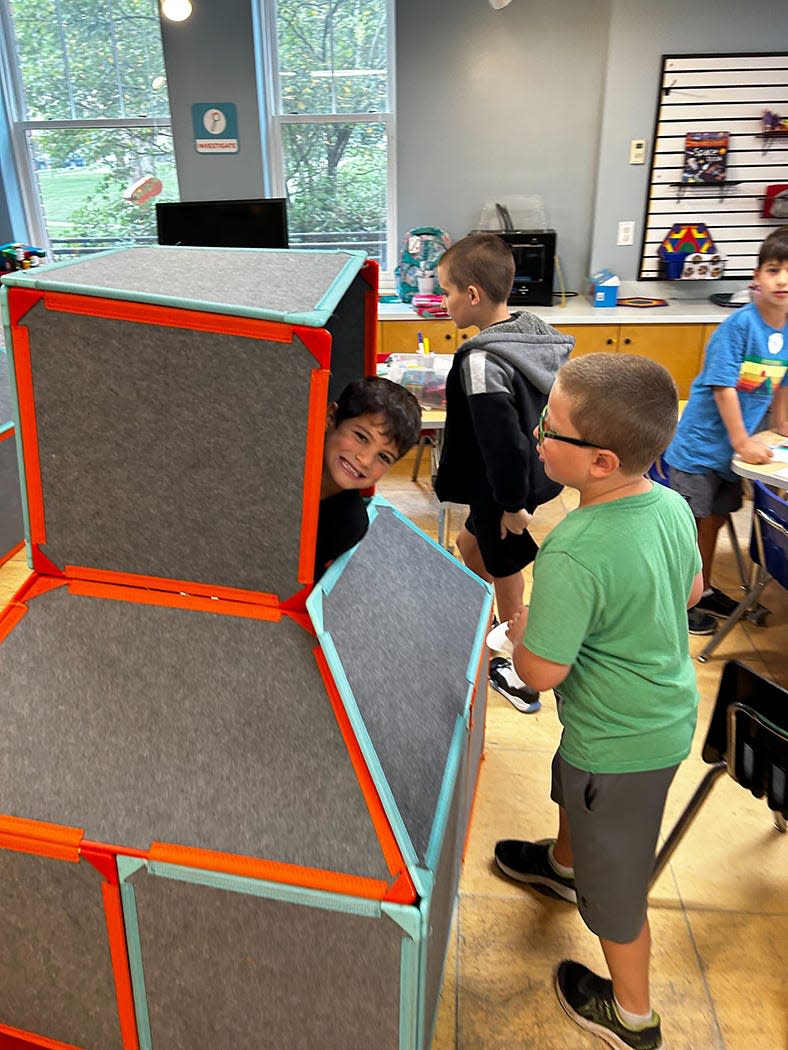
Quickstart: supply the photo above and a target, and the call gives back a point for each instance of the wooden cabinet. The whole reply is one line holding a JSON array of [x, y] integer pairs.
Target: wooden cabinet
[[679, 347], [676, 346], [591, 338]]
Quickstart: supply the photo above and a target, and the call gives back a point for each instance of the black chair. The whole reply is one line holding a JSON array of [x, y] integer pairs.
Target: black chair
[[747, 738], [769, 555]]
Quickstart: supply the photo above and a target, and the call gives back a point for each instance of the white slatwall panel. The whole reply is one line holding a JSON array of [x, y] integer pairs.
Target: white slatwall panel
[[717, 93]]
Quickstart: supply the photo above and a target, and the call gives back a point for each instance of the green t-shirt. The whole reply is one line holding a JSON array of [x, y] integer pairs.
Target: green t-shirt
[[610, 592]]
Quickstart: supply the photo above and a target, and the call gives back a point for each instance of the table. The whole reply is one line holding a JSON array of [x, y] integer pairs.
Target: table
[[774, 473]]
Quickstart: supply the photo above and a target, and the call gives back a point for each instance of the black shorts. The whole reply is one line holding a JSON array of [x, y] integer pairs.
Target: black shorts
[[500, 557]]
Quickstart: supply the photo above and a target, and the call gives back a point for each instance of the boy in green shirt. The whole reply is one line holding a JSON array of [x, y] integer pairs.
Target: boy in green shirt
[[607, 630]]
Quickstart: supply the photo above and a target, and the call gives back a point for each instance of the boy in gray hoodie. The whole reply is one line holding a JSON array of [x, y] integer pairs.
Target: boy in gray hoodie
[[495, 392]]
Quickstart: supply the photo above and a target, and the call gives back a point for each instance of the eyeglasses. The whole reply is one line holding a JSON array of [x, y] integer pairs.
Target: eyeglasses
[[541, 434]]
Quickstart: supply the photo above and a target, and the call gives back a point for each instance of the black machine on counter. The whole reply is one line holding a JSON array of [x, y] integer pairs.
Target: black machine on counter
[[534, 265]]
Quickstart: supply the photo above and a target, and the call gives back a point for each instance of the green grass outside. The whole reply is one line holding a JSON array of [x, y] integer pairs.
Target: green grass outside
[[65, 190]]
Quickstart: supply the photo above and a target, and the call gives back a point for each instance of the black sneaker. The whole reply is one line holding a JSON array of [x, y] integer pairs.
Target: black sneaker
[[700, 622], [588, 1000], [529, 862], [716, 604], [519, 696]]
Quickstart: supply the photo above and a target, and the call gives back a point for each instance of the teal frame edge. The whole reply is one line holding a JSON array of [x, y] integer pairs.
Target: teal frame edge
[[315, 318], [457, 751], [126, 867]]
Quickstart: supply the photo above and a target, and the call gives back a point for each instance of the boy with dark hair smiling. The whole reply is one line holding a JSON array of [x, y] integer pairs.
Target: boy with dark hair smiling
[[606, 630], [368, 429], [496, 388]]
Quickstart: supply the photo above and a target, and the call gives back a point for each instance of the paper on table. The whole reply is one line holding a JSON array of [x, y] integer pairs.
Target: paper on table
[[780, 452]]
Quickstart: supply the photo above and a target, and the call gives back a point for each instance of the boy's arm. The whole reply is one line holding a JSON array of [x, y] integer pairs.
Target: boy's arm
[[750, 449], [534, 670], [696, 590]]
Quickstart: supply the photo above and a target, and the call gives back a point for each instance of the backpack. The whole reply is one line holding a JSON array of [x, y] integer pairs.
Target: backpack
[[420, 252]]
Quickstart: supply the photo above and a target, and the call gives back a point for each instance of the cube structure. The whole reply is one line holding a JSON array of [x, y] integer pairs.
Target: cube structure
[[234, 802], [11, 527]]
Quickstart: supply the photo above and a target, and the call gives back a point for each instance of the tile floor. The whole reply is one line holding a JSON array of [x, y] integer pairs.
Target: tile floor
[[719, 912]]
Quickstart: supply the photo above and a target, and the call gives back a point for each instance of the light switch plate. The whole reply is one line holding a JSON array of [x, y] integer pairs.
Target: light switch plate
[[637, 151]]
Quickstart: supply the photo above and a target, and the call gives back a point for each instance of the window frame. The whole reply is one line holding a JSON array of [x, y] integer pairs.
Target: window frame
[[274, 119], [13, 86]]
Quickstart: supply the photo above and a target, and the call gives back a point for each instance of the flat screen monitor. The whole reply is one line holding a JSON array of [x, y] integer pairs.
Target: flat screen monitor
[[260, 223]]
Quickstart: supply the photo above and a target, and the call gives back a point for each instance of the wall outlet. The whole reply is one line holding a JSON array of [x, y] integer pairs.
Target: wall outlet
[[626, 233], [637, 151]]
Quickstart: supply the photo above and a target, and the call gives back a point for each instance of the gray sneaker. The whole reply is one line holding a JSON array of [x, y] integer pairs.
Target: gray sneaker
[[588, 1000], [529, 862]]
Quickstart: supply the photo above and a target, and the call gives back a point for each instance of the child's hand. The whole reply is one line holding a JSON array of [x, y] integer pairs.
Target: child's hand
[[515, 522], [516, 626], [754, 451]]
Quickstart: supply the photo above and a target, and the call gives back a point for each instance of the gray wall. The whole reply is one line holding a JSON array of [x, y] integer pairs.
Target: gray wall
[[210, 58], [492, 103]]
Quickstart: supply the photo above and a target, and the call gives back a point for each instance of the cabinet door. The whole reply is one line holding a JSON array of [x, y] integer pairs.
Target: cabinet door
[[466, 333], [401, 337], [676, 346], [591, 338]]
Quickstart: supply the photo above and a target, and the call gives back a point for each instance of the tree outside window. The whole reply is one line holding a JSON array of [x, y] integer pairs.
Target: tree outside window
[[334, 121]]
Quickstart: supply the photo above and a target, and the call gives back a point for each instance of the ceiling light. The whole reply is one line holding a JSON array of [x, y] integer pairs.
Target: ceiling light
[[498, 4], [176, 10]]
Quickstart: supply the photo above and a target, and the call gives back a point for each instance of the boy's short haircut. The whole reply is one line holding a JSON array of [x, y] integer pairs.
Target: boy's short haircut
[[775, 247], [380, 397], [622, 402], [483, 259]]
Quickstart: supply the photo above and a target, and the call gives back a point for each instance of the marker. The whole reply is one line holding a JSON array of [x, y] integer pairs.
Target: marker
[[420, 342]]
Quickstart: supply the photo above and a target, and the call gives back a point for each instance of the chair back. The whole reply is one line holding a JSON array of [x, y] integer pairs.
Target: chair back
[[772, 513], [739, 684], [758, 755], [659, 471]]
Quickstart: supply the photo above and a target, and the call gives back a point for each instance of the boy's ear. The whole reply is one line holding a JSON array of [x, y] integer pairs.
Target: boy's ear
[[331, 415], [604, 463], [474, 294]]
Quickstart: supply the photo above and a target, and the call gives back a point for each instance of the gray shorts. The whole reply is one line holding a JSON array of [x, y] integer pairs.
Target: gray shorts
[[614, 821], [707, 494]]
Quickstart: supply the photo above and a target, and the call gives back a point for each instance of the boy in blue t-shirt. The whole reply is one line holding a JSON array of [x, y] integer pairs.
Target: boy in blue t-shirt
[[745, 371], [606, 629]]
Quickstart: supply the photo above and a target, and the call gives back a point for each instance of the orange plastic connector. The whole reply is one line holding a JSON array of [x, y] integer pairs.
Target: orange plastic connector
[[44, 840]]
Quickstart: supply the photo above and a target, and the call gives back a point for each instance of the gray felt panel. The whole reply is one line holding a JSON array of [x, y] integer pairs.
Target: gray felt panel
[[224, 280], [55, 968], [170, 452], [12, 529], [347, 339], [444, 896], [417, 611], [7, 414], [141, 723], [233, 972]]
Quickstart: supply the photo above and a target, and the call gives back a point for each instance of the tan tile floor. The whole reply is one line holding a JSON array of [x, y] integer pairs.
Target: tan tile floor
[[719, 913]]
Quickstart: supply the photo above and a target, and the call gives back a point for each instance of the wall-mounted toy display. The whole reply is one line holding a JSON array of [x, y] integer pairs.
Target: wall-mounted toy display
[[773, 124]]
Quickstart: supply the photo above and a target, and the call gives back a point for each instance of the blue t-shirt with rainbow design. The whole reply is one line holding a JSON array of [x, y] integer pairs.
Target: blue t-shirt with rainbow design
[[745, 353]]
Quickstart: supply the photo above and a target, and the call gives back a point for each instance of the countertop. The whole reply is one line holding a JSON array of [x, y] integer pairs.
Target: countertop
[[579, 311]]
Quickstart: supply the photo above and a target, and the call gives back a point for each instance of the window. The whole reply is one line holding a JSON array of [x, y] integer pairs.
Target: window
[[331, 123], [90, 119]]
